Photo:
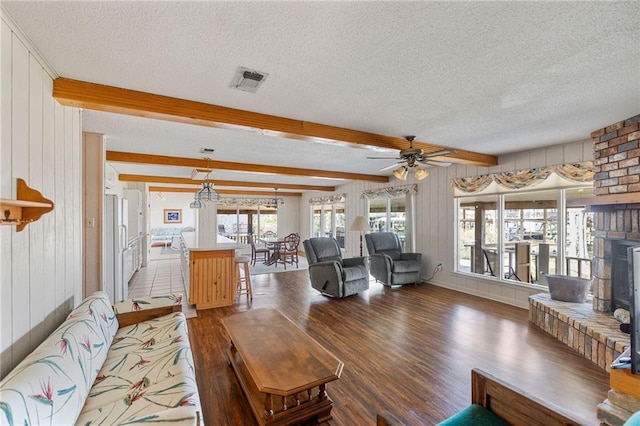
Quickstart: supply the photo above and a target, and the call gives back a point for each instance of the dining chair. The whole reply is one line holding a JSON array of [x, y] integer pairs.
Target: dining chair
[[289, 250], [257, 251]]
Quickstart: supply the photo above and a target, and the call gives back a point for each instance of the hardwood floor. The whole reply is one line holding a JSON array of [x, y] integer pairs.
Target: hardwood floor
[[408, 350]]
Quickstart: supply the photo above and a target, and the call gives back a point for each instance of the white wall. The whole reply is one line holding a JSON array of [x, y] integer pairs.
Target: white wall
[[172, 200], [40, 141], [289, 216], [435, 223]]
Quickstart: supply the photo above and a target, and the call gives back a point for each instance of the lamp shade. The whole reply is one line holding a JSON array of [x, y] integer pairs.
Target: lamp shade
[[401, 173], [420, 173], [360, 223]]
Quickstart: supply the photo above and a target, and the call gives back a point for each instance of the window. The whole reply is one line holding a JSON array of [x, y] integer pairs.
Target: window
[[580, 230], [266, 219], [235, 222], [517, 226], [531, 242], [478, 223], [392, 209], [389, 215], [329, 221], [530, 234]]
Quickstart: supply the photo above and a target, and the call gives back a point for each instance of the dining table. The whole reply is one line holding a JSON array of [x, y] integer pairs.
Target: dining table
[[273, 244]]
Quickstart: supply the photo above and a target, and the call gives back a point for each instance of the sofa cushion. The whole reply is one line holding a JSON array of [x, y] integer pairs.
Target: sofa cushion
[[145, 410], [51, 384], [147, 302], [474, 415], [149, 366]]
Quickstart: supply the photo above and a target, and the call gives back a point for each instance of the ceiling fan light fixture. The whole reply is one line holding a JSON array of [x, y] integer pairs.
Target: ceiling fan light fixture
[[420, 173], [401, 172]]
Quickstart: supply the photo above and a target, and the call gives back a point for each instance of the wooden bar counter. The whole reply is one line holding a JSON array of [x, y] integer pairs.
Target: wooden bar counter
[[210, 276]]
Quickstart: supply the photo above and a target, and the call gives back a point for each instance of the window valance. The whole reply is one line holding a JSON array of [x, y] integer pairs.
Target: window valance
[[252, 202], [328, 199], [390, 192], [574, 173]]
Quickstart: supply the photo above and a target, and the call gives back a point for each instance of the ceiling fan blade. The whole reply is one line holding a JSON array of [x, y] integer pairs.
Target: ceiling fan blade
[[384, 158], [434, 163], [389, 167], [439, 153]]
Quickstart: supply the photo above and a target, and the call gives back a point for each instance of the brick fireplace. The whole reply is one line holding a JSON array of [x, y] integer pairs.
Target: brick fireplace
[[616, 155]]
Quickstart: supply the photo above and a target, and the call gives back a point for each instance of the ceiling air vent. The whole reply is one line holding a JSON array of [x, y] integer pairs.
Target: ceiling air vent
[[248, 80], [207, 150]]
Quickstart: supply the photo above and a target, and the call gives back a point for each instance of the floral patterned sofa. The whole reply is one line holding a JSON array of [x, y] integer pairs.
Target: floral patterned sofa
[[130, 363]]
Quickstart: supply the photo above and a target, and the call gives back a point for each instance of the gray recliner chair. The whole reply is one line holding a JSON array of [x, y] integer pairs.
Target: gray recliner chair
[[332, 275], [389, 264]]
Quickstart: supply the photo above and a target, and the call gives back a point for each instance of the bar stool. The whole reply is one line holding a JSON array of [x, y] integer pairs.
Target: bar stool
[[240, 290]]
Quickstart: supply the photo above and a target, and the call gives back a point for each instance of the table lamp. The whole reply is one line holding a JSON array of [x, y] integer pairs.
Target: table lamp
[[360, 224]]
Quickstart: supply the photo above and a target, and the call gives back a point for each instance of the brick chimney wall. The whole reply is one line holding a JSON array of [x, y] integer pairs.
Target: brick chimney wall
[[616, 157], [616, 154]]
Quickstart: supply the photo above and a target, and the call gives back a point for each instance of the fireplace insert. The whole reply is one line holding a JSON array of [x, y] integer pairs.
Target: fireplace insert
[[620, 288]]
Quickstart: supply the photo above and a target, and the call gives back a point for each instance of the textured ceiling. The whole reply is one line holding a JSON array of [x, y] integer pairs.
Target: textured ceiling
[[490, 77]]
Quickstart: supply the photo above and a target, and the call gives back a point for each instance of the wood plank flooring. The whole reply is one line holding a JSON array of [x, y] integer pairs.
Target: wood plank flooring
[[408, 350]]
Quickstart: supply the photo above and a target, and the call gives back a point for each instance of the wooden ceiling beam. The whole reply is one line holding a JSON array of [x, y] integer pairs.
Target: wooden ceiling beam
[[224, 191], [163, 160], [99, 97], [232, 183]]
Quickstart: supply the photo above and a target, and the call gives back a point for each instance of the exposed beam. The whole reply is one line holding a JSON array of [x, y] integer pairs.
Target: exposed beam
[[163, 160], [224, 191], [130, 102], [187, 181]]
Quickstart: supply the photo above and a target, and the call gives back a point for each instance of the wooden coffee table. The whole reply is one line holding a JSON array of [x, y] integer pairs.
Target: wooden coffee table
[[282, 371]]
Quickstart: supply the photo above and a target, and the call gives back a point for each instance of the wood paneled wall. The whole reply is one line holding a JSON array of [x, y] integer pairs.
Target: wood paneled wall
[[40, 267]]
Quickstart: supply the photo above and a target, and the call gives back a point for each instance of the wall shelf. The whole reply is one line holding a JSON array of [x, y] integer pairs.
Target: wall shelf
[[28, 207]]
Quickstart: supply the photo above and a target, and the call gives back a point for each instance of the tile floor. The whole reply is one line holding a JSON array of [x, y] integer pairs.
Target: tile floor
[[162, 275]]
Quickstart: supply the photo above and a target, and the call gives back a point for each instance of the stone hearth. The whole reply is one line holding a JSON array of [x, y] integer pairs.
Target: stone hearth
[[595, 335]]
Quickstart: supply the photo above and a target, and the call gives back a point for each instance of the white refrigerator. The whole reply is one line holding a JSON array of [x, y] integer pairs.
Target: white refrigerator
[[115, 238]]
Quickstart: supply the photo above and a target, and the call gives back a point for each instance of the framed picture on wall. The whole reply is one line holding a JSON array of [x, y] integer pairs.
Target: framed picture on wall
[[172, 215]]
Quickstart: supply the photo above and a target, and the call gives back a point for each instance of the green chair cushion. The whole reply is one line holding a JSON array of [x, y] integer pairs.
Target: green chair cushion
[[633, 420], [474, 415]]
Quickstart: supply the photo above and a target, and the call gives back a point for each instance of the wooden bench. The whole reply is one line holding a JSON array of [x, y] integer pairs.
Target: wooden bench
[[510, 404]]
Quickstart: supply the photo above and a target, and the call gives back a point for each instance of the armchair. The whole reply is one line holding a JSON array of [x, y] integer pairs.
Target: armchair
[[332, 275], [389, 264]]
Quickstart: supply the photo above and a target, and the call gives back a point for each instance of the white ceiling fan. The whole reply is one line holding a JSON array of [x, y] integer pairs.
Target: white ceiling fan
[[411, 157]]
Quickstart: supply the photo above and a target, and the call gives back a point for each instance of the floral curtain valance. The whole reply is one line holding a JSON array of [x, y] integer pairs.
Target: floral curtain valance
[[233, 202], [328, 199], [577, 172], [391, 192]]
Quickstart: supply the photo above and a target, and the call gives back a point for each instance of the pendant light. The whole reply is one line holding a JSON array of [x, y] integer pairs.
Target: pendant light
[[206, 193]]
